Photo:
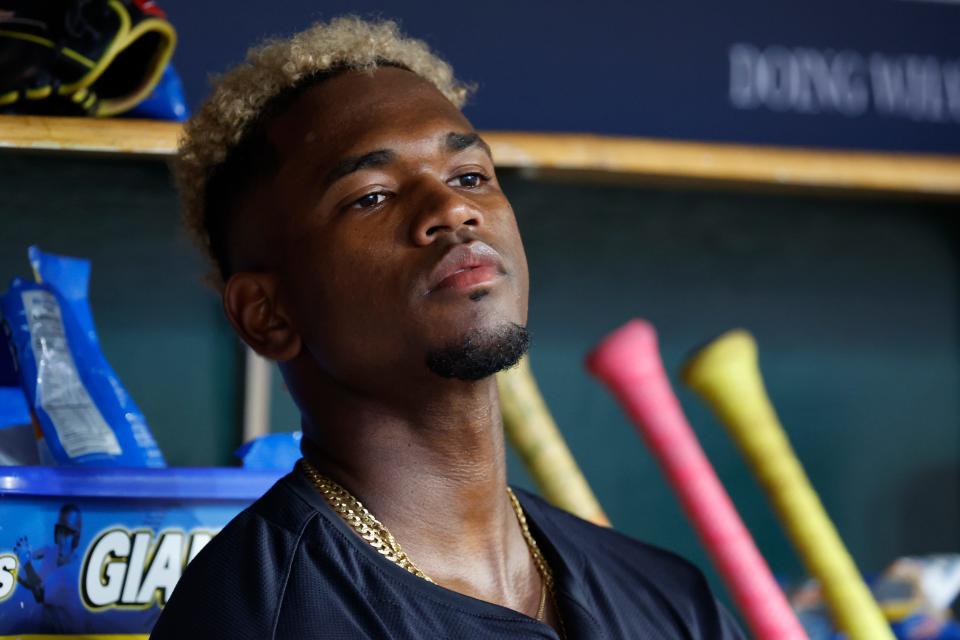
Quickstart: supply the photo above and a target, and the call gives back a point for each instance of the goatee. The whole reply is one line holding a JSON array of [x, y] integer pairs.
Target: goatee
[[481, 354]]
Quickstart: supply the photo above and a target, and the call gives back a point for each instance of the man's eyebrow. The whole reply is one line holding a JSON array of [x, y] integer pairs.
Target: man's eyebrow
[[351, 164], [454, 142]]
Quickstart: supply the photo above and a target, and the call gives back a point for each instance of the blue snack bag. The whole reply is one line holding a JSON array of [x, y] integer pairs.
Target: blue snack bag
[[276, 451], [85, 414], [71, 279], [19, 443]]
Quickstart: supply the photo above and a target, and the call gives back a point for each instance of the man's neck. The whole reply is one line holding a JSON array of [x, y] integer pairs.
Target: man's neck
[[435, 476]]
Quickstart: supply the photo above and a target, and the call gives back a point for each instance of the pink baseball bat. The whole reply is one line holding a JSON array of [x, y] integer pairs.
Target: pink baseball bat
[[628, 362]]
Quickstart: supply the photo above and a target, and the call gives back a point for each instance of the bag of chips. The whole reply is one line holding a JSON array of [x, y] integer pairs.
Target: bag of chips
[[85, 415]]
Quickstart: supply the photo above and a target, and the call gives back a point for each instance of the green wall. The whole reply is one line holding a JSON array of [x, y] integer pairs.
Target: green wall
[[855, 302]]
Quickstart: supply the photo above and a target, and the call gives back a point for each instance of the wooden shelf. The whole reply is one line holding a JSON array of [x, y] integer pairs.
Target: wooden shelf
[[723, 163], [89, 135]]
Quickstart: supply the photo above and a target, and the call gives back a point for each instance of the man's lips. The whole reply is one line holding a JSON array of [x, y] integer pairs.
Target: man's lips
[[468, 277], [465, 266]]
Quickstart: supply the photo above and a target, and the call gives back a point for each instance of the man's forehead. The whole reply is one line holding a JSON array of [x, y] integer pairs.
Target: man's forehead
[[358, 109]]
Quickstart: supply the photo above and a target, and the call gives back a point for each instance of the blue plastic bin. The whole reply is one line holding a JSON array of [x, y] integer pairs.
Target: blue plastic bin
[[98, 551]]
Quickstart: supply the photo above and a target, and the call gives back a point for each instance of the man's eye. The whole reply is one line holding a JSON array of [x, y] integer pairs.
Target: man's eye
[[369, 200], [470, 180]]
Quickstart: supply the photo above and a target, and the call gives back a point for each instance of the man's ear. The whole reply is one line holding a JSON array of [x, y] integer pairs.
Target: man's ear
[[251, 303]]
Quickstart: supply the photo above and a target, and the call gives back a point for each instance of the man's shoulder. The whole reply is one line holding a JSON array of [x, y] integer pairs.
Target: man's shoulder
[[621, 573], [237, 581], [596, 543], [280, 515]]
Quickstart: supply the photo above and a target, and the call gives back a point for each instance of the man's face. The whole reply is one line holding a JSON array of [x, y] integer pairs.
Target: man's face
[[65, 533], [392, 237]]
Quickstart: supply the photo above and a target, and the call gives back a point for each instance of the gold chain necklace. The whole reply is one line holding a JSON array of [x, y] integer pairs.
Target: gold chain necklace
[[372, 530]]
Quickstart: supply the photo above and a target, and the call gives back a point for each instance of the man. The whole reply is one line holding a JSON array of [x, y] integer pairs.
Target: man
[[364, 244], [50, 572]]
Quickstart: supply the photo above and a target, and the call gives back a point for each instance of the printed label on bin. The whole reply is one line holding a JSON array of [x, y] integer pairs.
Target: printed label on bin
[[95, 567], [60, 391]]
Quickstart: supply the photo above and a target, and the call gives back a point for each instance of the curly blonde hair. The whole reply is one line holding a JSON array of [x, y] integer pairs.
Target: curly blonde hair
[[247, 97]]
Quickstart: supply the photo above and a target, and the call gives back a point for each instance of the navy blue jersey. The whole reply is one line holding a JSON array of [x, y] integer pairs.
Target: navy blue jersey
[[289, 568]]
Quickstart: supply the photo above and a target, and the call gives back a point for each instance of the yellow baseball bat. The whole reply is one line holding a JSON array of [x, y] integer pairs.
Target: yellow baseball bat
[[533, 433], [727, 376]]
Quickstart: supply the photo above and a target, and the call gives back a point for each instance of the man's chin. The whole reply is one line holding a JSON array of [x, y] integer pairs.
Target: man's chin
[[481, 353]]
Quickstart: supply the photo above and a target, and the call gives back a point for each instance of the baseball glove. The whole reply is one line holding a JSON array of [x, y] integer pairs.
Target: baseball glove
[[81, 57]]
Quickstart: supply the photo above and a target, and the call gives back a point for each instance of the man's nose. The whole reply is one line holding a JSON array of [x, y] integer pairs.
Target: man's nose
[[441, 209]]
